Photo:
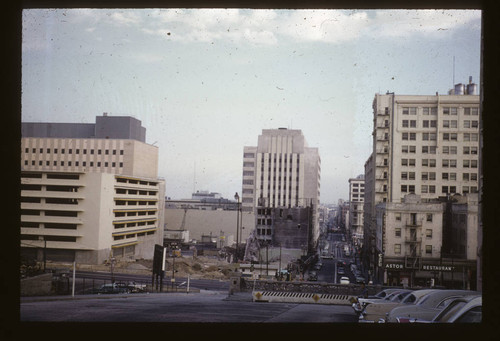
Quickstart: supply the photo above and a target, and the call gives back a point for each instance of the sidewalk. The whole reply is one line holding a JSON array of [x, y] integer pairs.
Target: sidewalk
[[240, 297]]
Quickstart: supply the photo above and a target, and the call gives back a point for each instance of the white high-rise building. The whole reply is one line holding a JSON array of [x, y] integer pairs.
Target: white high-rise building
[[425, 145], [86, 198], [356, 202], [281, 172]]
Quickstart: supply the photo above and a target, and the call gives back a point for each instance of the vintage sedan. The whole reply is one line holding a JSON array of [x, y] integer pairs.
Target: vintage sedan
[[360, 302], [429, 305], [376, 312], [466, 309], [370, 315]]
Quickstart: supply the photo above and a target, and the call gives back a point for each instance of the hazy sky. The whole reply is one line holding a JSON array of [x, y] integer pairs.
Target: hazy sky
[[206, 82]]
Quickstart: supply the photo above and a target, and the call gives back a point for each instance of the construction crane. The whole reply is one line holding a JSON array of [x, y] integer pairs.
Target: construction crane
[[183, 219]]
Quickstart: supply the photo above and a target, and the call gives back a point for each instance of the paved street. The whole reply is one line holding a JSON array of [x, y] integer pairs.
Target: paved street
[[206, 306]]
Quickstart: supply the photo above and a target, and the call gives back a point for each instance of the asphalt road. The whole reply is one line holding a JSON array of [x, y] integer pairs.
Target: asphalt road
[[206, 306]]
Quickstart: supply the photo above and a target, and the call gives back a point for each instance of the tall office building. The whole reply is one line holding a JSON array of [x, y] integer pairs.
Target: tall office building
[[90, 192], [356, 202], [426, 145], [281, 172]]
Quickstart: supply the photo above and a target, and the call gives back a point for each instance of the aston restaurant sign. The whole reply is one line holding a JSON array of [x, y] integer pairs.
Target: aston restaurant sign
[[438, 268], [399, 266]]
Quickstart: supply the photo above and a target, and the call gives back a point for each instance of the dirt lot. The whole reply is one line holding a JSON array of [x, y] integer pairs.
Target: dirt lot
[[200, 267]]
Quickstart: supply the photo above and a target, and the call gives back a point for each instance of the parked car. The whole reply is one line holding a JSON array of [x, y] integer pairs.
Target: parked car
[[114, 288], [428, 305], [341, 271], [360, 279], [344, 280], [360, 302], [377, 311], [312, 276], [466, 309]]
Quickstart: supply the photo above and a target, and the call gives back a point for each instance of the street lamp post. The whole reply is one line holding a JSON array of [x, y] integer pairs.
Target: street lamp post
[[237, 198]]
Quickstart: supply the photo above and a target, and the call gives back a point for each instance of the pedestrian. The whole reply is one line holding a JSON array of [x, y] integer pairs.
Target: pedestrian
[[364, 290]]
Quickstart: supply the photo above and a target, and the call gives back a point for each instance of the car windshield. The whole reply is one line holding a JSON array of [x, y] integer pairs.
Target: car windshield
[[474, 315], [399, 297], [445, 314], [409, 299]]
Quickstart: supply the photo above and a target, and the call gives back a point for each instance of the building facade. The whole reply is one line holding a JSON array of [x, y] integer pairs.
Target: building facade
[[426, 145], [413, 242], [281, 172], [356, 202], [89, 199]]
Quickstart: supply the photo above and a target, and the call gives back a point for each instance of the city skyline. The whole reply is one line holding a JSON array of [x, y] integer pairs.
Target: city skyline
[[205, 82]]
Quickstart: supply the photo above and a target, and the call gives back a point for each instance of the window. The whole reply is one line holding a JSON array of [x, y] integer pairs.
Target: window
[[446, 124], [405, 136], [474, 137], [425, 162], [425, 124], [404, 162], [473, 176], [446, 111], [466, 164], [453, 176], [446, 136], [474, 124], [425, 149], [406, 111], [397, 249], [466, 124], [453, 124], [404, 176], [411, 175], [473, 163], [411, 162], [446, 149], [453, 163], [432, 175], [429, 217], [424, 189], [465, 177], [433, 123], [446, 163], [425, 176], [453, 136], [473, 150], [467, 111], [428, 234], [445, 176], [466, 137], [453, 149], [404, 188], [432, 162], [405, 123], [453, 111], [404, 149], [398, 216], [425, 136], [397, 232], [413, 123], [413, 136], [432, 189], [411, 188], [444, 189], [428, 249]]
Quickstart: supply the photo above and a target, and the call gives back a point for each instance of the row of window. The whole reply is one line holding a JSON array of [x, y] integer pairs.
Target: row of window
[[407, 136], [424, 189], [77, 151], [135, 224], [428, 232], [434, 111], [133, 235], [446, 124], [432, 176], [397, 249], [76, 164], [451, 163]]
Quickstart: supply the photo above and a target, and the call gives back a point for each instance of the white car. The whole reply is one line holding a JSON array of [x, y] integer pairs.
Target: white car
[[344, 280]]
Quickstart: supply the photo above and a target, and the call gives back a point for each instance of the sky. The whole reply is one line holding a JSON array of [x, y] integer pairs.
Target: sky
[[206, 82]]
